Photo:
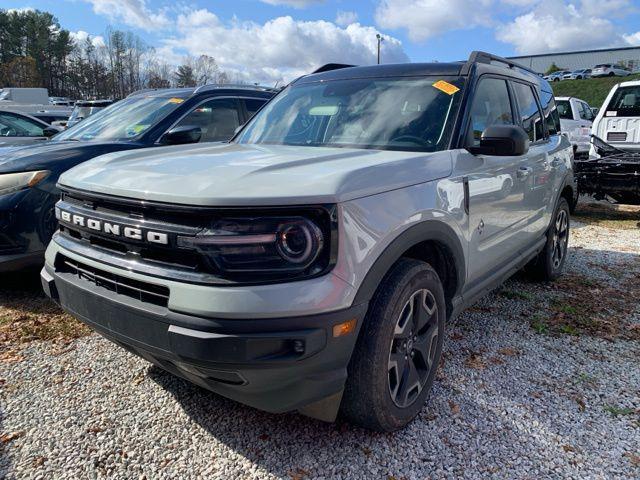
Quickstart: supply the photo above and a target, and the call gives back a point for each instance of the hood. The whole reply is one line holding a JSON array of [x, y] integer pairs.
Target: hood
[[54, 155], [252, 175]]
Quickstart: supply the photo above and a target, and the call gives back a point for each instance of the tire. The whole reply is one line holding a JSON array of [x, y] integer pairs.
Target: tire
[[549, 263], [612, 74], [397, 354]]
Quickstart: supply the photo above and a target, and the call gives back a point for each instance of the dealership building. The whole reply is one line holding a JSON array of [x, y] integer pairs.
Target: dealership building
[[627, 56]]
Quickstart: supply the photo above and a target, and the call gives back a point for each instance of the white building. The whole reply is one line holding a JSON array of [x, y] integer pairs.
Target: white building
[[627, 56]]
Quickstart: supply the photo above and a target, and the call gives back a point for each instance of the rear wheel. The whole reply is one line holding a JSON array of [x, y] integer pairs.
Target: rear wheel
[[549, 263], [395, 360]]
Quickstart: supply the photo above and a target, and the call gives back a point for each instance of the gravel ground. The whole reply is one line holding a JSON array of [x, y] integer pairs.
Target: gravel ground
[[530, 388]]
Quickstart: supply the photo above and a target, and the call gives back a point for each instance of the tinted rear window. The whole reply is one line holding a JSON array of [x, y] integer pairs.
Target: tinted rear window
[[625, 103]]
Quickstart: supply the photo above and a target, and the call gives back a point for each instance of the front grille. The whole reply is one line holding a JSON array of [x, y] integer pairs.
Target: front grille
[[169, 260], [142, 291], [617, 136]]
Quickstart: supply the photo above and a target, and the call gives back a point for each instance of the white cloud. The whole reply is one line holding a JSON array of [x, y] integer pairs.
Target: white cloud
[[633, 39], [81, 36], [557, 26], [424, 19], [282, 48], [21, 10], [134, 13], [346, 18], [293, 3]]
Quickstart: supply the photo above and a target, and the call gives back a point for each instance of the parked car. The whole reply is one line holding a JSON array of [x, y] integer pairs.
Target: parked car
[[312, 263], [557, 76], [576, 118], [85, 108], [618, 121], [61, 101], [21, 129], [54, 118], [612, 171], [609, 70], [29, 101], [578, 74], [28, 175]]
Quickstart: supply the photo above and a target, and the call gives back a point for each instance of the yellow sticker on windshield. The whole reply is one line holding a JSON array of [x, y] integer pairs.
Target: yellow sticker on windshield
[[176, 100], [446, 87]]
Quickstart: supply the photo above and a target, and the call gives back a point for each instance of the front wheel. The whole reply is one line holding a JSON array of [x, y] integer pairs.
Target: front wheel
[[549, 263], [395, 360]]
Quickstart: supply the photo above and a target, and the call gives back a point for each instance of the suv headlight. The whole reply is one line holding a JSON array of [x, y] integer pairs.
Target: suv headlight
[[267, 247], [12, 182]]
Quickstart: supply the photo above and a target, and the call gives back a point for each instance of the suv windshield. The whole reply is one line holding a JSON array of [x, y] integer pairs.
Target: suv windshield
[[625, 102], [564, 109], [123, 120], [412, 114]]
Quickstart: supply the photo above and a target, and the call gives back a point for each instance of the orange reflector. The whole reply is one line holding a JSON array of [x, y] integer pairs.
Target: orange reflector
[[344, 328]]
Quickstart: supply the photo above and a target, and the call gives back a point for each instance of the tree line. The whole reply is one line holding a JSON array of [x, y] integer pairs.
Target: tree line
[[35, 51]]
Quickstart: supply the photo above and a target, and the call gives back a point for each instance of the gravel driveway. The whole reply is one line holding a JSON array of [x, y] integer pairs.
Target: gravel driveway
[[538, 381]]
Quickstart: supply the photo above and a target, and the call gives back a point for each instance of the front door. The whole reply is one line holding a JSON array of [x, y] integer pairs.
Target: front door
[[496, 184]]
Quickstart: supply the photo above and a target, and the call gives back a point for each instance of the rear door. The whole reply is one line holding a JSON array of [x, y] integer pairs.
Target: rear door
[[535, 172]]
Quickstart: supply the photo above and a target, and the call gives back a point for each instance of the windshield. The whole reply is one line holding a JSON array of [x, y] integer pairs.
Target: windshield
[[378, 113], [80, 113], [564, 109], [4, 95], [124, 120], [625, 103]]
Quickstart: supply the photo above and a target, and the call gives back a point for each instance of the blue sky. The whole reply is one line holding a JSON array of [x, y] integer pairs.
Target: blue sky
[[271, 39]]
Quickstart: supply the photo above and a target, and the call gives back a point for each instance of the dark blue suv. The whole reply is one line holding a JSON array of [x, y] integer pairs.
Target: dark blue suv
[[151, 118]]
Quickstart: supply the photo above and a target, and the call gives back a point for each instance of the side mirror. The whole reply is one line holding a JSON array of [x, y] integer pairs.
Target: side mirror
[[595, 111], [51, 131], [182, 135], [502, 141]]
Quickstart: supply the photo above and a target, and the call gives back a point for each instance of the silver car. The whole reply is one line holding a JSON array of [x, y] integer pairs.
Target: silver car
[[609, 70], [313, 262]]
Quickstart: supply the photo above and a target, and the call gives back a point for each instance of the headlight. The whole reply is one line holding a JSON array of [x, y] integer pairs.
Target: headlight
[[12, 182], [266, 247]]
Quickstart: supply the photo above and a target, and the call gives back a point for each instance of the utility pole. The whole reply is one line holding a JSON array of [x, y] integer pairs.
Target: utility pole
[[380, 40]]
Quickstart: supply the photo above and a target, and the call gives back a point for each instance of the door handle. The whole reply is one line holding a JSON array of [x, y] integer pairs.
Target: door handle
[[524, 172]]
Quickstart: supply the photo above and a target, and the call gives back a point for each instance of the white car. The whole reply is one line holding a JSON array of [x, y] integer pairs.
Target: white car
[[618, 121], [609, 70], [576, 118]]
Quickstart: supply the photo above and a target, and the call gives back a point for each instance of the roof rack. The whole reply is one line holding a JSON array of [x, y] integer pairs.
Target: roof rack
[[331, 66], [142, 90], [206, 88], [484, 57]]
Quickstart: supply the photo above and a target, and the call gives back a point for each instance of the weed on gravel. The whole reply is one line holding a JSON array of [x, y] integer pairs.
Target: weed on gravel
[[26, 314], [606, 215]]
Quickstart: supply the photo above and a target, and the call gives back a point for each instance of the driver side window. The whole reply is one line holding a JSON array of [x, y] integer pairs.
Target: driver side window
[[491, 106], [217, 119]]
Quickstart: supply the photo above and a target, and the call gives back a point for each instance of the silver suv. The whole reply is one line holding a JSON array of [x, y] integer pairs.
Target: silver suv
[[312, 263]]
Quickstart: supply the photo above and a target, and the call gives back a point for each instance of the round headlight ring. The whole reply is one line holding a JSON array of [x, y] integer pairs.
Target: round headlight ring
[[299, 241]]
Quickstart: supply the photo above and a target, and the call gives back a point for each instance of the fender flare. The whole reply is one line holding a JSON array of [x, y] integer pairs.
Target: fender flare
[[424, 231]]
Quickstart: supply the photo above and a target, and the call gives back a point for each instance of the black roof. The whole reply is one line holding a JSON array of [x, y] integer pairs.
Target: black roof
[[387, 70], [486, 60], [93, 103]]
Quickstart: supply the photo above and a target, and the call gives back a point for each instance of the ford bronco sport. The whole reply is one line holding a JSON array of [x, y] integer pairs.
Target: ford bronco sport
[[312, 262]]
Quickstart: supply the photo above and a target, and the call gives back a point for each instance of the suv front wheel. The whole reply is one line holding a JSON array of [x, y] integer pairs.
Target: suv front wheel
[[395, 360]]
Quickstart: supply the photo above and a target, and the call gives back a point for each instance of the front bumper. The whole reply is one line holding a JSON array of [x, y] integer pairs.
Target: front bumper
[[277, 364]]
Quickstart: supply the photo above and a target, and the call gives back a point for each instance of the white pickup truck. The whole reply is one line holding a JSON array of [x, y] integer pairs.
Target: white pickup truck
[[576, 118]]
